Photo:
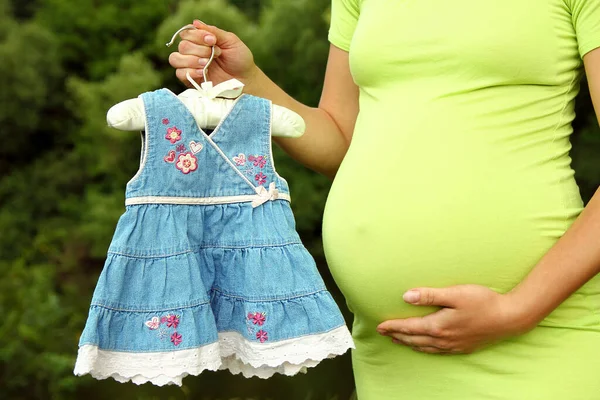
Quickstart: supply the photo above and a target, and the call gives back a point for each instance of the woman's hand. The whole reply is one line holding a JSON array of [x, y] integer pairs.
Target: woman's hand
[[233, 59], [472, 317]]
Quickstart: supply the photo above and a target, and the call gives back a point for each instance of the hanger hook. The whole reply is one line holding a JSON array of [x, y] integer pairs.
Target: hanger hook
[[210, 60], [212, 52]]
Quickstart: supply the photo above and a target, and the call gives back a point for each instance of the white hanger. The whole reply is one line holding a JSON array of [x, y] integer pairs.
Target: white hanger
[[207, 103]]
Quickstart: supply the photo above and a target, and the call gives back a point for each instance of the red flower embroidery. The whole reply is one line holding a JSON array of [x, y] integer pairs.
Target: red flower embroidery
[[173, 135], [180, 148], [172, 321], [187, 162], [257, 318], [260, 178], [262, 336], [163, 320], [258, 161], [165, 121], [176, 338]]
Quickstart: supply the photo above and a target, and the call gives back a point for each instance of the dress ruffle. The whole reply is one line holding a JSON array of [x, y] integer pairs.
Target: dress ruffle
[[158, 319]]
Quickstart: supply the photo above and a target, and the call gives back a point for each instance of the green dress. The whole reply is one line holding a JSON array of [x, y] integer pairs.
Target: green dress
[[459, 172]]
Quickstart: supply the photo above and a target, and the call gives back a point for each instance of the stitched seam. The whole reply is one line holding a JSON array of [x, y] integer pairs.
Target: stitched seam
[[179, 348], [555, 135], [272, 160], [201, 247], [197, 200], [102, 305], [289, 338], [266, 300], [145, 145]]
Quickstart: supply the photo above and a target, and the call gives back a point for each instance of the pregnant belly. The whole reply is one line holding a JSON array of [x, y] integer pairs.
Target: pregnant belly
[[381, 241]]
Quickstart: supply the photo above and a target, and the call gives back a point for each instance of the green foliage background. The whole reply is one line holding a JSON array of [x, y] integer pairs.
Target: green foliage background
[[63, 63]]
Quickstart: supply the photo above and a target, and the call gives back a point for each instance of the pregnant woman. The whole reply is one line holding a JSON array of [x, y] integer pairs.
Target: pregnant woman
[[454, 226]]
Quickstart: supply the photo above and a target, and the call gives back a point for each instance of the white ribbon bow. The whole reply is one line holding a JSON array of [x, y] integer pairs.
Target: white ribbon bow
[[230, 89], [263, 195]]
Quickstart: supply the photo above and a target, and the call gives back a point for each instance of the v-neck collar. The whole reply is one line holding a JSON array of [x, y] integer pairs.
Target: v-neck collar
[[218, 127]]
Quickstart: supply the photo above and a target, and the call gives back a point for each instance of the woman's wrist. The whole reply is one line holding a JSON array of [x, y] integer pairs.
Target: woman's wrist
[[255, 81], [524, 309]]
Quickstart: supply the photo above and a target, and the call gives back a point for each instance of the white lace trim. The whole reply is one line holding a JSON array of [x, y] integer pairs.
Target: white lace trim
[[287, 357], [233, 352], [159, 368]]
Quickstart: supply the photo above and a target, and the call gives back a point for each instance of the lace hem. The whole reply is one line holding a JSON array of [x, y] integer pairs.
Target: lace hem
[[287, 357], [158, 368], [233, 352]]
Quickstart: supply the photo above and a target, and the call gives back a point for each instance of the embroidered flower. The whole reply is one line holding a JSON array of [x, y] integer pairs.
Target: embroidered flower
[[258, 161], [257, 318], [165, 121], [180, 148], [249, 171], [176, 338], [260, 178], [187, 162], [173, 135], [153, 323], [172, 321], [240, 159], [163, 320], [262, 336], [162, 333]]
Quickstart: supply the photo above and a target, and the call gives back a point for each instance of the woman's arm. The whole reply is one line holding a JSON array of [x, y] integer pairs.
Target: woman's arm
[[575, 258], [474, 316], [329, 126]]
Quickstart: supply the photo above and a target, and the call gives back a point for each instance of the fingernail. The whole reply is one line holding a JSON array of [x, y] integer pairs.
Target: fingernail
[[381, 331], [412, 296], [202, 61], [210, 40], [200, 22]]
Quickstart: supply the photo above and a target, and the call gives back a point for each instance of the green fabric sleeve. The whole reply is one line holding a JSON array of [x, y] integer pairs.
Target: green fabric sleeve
[[586, 20], [344, 16]]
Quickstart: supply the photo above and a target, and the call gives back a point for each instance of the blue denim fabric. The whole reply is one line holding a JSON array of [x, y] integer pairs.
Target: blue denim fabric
[[203, 269]]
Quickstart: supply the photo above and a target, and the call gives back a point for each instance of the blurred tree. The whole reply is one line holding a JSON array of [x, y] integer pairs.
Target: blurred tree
[[93, 35], [27, 77]]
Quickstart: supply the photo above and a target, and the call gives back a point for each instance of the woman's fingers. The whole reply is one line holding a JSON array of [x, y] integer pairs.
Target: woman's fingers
[[195, 74], [418, 341], [189, 48]]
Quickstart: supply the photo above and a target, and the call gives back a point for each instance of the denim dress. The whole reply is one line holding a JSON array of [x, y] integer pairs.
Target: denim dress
[[206, 270]]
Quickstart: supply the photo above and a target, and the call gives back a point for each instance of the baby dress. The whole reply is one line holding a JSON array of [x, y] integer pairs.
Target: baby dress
[[206, 270]]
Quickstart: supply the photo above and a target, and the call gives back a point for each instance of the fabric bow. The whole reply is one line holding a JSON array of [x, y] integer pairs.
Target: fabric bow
[[263, 195], [230, 89]]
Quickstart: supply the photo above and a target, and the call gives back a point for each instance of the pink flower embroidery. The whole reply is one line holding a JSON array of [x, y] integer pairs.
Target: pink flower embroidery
[[240, 159], [163, 320], [153, 323], [180, 148], [165, 121], [176, 338], [258, 161], [187, 162], [258, 319], [260, 178], [173, 135], [172, 321], [262, 336]]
